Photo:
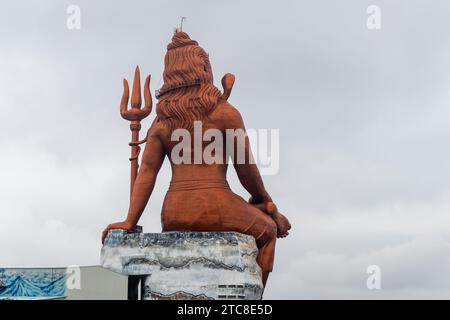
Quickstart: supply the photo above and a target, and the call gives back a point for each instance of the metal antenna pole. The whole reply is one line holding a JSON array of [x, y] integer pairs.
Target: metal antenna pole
[[181, 25]]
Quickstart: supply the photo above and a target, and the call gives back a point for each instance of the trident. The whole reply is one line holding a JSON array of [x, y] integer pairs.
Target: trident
[[135, 115]]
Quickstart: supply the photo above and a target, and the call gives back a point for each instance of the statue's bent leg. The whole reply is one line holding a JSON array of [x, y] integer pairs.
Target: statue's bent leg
[[266, 257], [264, 229]]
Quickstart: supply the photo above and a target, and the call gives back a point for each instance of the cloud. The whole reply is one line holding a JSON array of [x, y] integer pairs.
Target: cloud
[[334, 250], [363, 118]]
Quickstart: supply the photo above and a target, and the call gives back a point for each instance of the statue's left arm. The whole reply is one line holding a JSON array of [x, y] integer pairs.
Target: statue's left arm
[[152, 160]]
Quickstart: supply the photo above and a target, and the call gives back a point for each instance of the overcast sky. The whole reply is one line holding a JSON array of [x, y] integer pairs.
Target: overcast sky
[[363, 118]]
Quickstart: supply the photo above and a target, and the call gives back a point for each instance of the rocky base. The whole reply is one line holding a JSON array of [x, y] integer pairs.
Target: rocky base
[[187, 265]]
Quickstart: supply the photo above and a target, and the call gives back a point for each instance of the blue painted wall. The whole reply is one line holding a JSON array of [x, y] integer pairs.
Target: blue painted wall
[[33, 283]]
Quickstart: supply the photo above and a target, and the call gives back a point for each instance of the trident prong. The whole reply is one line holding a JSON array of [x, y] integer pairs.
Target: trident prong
[[135, 114]]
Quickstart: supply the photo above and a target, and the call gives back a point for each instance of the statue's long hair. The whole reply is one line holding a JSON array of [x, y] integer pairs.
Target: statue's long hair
[[188, 93]]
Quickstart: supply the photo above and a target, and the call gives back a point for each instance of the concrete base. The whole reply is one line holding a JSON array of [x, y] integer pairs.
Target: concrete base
[[187, 265]]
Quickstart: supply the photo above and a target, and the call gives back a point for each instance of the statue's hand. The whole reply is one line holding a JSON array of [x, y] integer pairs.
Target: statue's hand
[[265, 205], [124, 225], [283, 224]]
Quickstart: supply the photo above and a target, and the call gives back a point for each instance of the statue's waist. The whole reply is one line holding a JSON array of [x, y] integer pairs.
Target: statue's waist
[[184, 185]]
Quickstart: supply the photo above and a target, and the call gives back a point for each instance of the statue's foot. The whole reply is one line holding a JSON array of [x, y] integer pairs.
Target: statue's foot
[[283, 224]]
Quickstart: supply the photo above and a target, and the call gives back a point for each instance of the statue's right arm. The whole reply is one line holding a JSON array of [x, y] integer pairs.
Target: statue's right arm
[[152, 160], [247, 171]]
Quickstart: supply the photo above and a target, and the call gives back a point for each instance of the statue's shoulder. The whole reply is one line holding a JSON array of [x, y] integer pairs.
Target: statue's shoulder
[[227, 115], [226, 111], [158, 129]]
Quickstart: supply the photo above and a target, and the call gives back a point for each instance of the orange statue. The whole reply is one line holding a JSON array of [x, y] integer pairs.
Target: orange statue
[[199, 197]]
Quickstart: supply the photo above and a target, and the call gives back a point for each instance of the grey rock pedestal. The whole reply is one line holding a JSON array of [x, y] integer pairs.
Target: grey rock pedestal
[[187, 265]]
